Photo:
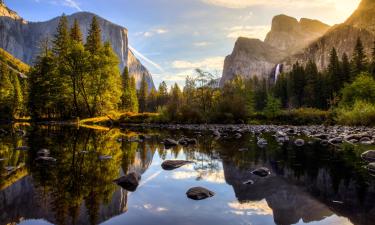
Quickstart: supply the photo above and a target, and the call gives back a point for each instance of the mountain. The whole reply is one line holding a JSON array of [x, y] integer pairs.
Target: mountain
[[361, 24], [289, 34], [22, 38], [253, 57], [249, 58]]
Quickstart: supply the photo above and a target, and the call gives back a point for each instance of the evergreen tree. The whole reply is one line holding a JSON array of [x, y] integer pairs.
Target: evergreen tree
[[260, 93], [75, 32], [129, 97], [334, 73], [62, 38], [273, 107], [174, 103], [152, 101], [94, 40], [143, 92], [281, 90], [133, 95], [359, 61], [162, 94], [296, 84], [311, 87]]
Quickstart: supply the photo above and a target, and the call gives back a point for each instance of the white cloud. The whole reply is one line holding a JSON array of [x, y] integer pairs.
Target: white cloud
[[201, 44], [211, 63], [153, 32], [248, 31], [69, 3]]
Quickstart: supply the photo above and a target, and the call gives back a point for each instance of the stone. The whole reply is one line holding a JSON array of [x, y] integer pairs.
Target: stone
[[262, 142], [129, 182], [368, 156], [199, 193], [43, 152], [371, 168], [299, 142], [174, 164], [170, 143], [22, 148], [261, 172], [105, 157], [45, 159]]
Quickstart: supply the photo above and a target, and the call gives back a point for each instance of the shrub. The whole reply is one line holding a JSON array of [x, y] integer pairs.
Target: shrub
[[362, 113], [362, 89]]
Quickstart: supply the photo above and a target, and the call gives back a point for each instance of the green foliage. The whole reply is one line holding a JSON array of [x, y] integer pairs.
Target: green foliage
[[273, 107], [362, 113], [129, 95], [6, 92], [359, 59], [73, 80], [362, 89], [143, 94]]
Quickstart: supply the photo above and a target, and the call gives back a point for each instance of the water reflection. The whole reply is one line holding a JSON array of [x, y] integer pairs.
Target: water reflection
[[310, 184]]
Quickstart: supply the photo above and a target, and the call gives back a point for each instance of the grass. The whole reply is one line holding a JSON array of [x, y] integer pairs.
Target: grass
[[361, 114]]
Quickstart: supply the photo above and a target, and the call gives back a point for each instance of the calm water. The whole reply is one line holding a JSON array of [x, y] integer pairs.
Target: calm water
[[308, 185]]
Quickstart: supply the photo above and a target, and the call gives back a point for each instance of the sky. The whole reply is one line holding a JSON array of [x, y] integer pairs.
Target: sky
[[173, 37]]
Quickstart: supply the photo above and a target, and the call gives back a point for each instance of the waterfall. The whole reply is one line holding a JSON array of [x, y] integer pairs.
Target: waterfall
[[277, 71]]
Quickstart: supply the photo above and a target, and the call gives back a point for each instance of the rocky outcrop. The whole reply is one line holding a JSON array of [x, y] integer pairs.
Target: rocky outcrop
[[253, 57], [250, 57], [22, 39], [343, 37], [289, 34], [6, 12]]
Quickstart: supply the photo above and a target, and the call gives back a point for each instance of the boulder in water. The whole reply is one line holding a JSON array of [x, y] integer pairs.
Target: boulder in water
[[299, 142], [262, 142], [45, 159], [369, 156], [174, 164], [129, 182], [199, 193], [261, 172], [22, 148], [371, 168], [170, 143], [43, 152]]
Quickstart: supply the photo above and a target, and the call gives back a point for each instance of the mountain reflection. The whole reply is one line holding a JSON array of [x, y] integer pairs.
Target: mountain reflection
[[310, 184]]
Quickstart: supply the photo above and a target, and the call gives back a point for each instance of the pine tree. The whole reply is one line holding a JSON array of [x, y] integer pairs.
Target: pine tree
[[133, 95], [296, 84], [129, 98], [334, 73], [174, 103], [75, 32], [281, 90], [62, 38], [143, 92], [162, 94], [311, 87], [359, 61], [94, 41]]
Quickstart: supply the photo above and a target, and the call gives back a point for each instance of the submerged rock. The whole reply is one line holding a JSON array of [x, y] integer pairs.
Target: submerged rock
[[299, 142], [261, 172], [105, 157], [170, 143], [199, 193], [129, 182], [369, 156], [371, 168], [249, 182], [174, 164], [262, 142]]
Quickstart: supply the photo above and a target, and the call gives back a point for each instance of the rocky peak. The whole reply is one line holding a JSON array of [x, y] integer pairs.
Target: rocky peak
[[289, 34], [364, 16], [6, 12]]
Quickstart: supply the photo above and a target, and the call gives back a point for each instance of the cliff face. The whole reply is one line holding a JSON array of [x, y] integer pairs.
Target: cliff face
[[289, 34], [343, 37], [252, 57], [22, 39]]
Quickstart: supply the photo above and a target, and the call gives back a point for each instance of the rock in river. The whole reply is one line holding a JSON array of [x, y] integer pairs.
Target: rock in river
[[170, 143], [199, 193], [129, 182], [369, 156], [299, 142], [261, 172], [371, 168], [174, 164]]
